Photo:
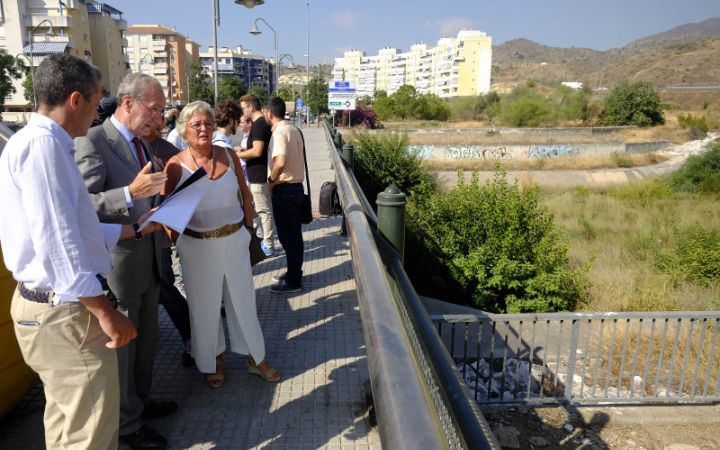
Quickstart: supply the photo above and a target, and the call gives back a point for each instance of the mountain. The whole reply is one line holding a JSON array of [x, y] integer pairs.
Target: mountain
[[686, 55]]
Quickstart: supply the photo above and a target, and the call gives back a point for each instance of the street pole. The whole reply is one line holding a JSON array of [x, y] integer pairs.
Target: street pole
[[32, 56], [307, 85], [215, 50], [256, 31]]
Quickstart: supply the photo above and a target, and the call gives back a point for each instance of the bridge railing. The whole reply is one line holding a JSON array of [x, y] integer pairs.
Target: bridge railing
[[419, 396], [587, 358]]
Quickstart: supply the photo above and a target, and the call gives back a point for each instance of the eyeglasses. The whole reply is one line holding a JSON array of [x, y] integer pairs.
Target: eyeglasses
[[199, 125], [245, 107], [155, 109]]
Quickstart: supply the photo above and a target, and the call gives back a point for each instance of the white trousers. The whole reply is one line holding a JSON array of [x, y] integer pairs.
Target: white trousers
[[217, 271]]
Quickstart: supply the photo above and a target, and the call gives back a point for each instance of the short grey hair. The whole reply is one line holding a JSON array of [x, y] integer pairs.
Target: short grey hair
[[136, 85], [190, 110]]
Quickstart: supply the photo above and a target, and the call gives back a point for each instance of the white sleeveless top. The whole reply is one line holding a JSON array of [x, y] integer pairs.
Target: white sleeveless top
[[220, 204]]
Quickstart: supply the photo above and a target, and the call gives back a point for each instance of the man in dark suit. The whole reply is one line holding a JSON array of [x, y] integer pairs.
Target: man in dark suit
[[170, 297], [123, 183]]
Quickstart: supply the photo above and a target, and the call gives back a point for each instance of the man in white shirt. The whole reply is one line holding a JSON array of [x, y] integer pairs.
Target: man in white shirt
[[55, 247]]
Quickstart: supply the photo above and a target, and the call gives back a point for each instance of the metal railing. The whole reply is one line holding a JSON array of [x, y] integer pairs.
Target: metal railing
[[586, 358], [419, 397]]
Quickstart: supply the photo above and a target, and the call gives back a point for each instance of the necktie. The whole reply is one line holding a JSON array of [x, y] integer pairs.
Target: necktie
[[139, 152]]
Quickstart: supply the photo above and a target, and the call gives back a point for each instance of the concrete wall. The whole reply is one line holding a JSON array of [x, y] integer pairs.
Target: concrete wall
[[531, 151]]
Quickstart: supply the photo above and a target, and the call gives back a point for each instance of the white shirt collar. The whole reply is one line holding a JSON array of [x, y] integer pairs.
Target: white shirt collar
[[43, 121]]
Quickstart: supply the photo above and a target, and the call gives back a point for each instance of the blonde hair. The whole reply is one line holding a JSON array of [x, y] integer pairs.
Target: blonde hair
[[190, 110]]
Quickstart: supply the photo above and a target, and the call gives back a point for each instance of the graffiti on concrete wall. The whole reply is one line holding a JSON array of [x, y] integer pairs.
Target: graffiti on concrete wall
[[474, 152], [459, 152], [552, 151], [421, 151]]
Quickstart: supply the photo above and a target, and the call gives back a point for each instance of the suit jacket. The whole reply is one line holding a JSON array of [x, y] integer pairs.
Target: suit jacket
[[107, 165]]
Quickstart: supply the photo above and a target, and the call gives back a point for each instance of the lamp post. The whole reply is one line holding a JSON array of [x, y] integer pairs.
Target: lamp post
[[307, 83], [290, 66], [216, 18], [50, 32], [255, 31]]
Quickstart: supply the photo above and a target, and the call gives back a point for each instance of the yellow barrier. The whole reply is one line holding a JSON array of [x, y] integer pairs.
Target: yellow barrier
[[16, 378]]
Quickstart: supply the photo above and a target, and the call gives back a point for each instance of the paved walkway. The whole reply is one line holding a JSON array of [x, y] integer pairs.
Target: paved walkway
[[314, 339]]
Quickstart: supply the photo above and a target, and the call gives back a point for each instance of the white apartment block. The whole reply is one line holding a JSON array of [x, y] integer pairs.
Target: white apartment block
[[31, 30], [454, 67]]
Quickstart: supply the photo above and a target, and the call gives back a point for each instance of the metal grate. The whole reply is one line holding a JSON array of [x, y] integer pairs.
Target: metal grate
[[586, 358]]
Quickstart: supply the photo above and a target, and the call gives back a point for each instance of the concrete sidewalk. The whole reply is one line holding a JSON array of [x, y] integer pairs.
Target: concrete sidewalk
[[313, 338]]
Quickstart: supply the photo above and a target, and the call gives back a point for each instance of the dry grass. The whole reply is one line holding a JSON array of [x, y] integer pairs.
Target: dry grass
[[620, 239], [656, 354], [577, 163]]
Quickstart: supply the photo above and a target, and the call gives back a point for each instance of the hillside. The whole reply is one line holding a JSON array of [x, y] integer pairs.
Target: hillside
[[688, 55]]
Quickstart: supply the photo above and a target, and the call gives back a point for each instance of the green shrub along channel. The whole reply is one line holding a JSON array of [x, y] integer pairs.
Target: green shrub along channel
[[492, 246]]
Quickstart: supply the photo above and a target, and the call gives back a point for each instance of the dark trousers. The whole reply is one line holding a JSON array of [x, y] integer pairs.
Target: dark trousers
[[287, 203], [171, 299]]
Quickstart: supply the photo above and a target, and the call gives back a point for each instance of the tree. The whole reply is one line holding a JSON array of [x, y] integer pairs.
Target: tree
[[28, 91], [405, 102], [199, 85], [317, 96], [286, 94], [383, 105], [259, 92], [633, 104], [230, 88], [10, 69]]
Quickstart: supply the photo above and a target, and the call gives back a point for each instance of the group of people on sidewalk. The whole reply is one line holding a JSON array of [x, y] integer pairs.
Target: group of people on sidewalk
[[90, 277]]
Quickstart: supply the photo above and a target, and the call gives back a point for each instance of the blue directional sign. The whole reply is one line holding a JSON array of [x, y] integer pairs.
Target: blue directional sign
[[299, 103]]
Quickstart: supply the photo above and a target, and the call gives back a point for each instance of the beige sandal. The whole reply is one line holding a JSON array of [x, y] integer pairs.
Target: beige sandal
[[216, 380], [270, 374]]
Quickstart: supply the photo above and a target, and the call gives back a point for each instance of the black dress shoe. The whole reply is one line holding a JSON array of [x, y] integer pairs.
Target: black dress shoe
[[187, 359], [145, 437], [159, 408]]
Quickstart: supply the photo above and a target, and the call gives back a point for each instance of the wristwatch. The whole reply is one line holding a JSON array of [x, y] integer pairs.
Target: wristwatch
[[138, 234]]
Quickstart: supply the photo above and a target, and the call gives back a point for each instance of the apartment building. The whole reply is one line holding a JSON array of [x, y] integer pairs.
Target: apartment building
[[33, 29], [253, 70], [165, 54], [457, 66]]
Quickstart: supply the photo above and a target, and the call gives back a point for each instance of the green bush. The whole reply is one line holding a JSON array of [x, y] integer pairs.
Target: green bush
[[695, 257], [632, 104], [690, 121], [528, 110], [700, 173], [382, 160], [493, 246]]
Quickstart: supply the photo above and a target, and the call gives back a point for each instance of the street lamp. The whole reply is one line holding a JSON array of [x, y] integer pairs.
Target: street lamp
[[307, 83], [290, 66], [255, 32], [50, 32], [246, 3]]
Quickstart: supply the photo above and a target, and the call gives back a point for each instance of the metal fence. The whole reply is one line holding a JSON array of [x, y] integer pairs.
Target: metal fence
[[586, 358], [420, 399]]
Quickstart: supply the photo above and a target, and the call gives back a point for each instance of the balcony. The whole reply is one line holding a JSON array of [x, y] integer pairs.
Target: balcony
[[121, 24], [32, 21]]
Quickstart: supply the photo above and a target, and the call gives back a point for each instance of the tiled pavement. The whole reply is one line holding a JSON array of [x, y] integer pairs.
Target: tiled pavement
[[314, 338]]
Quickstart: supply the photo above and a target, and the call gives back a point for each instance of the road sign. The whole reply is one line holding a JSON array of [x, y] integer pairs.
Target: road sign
[[342, 95], [342, 104]]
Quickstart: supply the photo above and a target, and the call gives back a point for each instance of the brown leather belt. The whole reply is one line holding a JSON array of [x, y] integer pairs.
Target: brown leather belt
[[225, 230], [33, 295]]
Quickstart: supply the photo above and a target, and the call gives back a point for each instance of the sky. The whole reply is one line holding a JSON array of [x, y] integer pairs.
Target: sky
[[370, 25]]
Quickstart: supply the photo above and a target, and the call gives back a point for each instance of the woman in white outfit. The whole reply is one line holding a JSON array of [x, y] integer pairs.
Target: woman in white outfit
[[214, 252]]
